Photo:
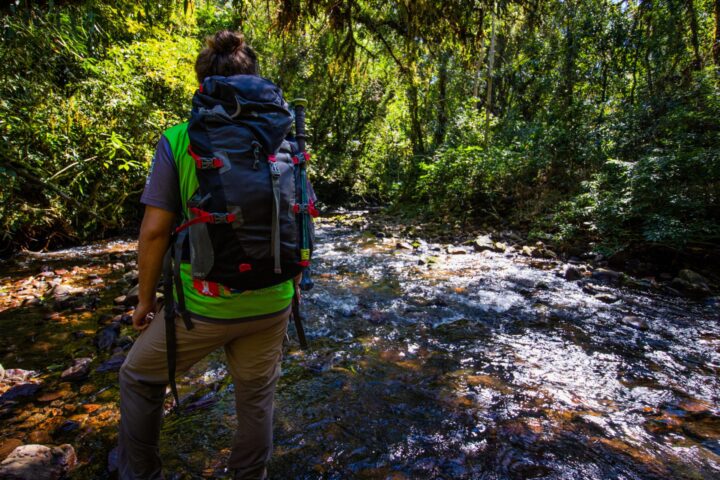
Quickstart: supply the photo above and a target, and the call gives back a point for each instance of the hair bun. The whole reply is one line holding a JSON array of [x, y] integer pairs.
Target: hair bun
[[226, 41]]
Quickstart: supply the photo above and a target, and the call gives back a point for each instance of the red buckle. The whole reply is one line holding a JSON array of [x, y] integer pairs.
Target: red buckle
[[272, 159], [304, 263], [204, 163], [312, 210], [244, 267], [296, 208]]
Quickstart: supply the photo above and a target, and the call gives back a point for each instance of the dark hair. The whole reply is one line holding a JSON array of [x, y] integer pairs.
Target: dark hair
[[226, 54]]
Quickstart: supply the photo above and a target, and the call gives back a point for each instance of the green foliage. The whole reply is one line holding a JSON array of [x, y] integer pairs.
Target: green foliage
[[594, 121]]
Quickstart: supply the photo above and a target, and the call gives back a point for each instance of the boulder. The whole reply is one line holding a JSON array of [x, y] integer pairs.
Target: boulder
[[452, 250], [605, 275], [38, 462], [482, 243], [691, 283], [573, 273]]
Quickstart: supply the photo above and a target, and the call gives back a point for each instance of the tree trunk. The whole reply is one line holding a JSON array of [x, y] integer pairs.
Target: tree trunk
[[442, 118], [416, 135], [491, 64], [697, 63], [716, 44]]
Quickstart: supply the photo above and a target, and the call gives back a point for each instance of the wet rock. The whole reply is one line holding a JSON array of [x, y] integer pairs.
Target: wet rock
[[527, 251], [453, 250], [606, 297], [39, 436], [61, 290], [606, 276], [403, 246], [7, 446], [113, 460], [68, 426], [51, 396], [22, 391], [131, 276], [499, 247], [635, 322], [119, 300], [691, 283], [38, 462], [573, 273], [78, 371], [482, 243], [106, 337], [112, 365], [131, 297]]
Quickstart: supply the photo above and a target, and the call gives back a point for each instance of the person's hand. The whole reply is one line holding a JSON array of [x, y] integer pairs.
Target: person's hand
[[143, 315]]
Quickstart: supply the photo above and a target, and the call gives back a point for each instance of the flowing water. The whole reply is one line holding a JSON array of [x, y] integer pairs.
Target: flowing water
[[423, 364]]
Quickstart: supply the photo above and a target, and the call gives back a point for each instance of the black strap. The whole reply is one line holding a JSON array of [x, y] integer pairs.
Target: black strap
[[170, 312], [180, 306], [298, 319]]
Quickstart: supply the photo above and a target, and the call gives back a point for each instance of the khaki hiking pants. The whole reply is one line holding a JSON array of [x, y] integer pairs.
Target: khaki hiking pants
[[253, 350]]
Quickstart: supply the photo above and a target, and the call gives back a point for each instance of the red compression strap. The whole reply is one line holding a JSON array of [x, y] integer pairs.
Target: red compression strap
[[272, 159], [245, 267], [201, 216], [304, 263]]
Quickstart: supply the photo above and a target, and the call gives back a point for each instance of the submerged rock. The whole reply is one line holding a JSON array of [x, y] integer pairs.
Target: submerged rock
[[635, 322], [7, 447], [106, 337], [20, 392], [38, 462], [78, 371], [112, 365], [691, 283]]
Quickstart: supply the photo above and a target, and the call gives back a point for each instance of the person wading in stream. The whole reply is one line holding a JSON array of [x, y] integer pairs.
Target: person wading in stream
[[230, 184]]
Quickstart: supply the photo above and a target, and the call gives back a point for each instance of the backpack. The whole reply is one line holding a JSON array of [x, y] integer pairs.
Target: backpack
[[251, 217], [250, 221]]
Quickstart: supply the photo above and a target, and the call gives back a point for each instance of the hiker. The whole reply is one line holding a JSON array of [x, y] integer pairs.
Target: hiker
[[237, 116]]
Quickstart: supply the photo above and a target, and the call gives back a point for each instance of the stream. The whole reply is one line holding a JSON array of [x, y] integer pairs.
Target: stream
[[426, 361]]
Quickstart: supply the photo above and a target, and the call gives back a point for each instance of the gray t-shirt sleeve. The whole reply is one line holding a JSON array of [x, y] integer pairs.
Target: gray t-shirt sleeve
[[162, 188]]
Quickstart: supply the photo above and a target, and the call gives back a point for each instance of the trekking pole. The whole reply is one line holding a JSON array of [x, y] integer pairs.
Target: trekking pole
[[306, 282]]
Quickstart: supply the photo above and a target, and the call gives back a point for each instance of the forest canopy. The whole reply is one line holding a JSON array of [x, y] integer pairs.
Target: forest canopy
[[580, 122]]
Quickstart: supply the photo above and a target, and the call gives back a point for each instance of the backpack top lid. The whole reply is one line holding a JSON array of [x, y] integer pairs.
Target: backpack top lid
[[229, 113]]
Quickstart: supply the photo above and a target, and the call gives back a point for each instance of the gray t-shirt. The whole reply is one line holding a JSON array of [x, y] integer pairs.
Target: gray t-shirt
[[162, 188]]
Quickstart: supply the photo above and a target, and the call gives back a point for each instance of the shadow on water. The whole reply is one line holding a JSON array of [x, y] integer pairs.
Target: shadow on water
[[425, 364]]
